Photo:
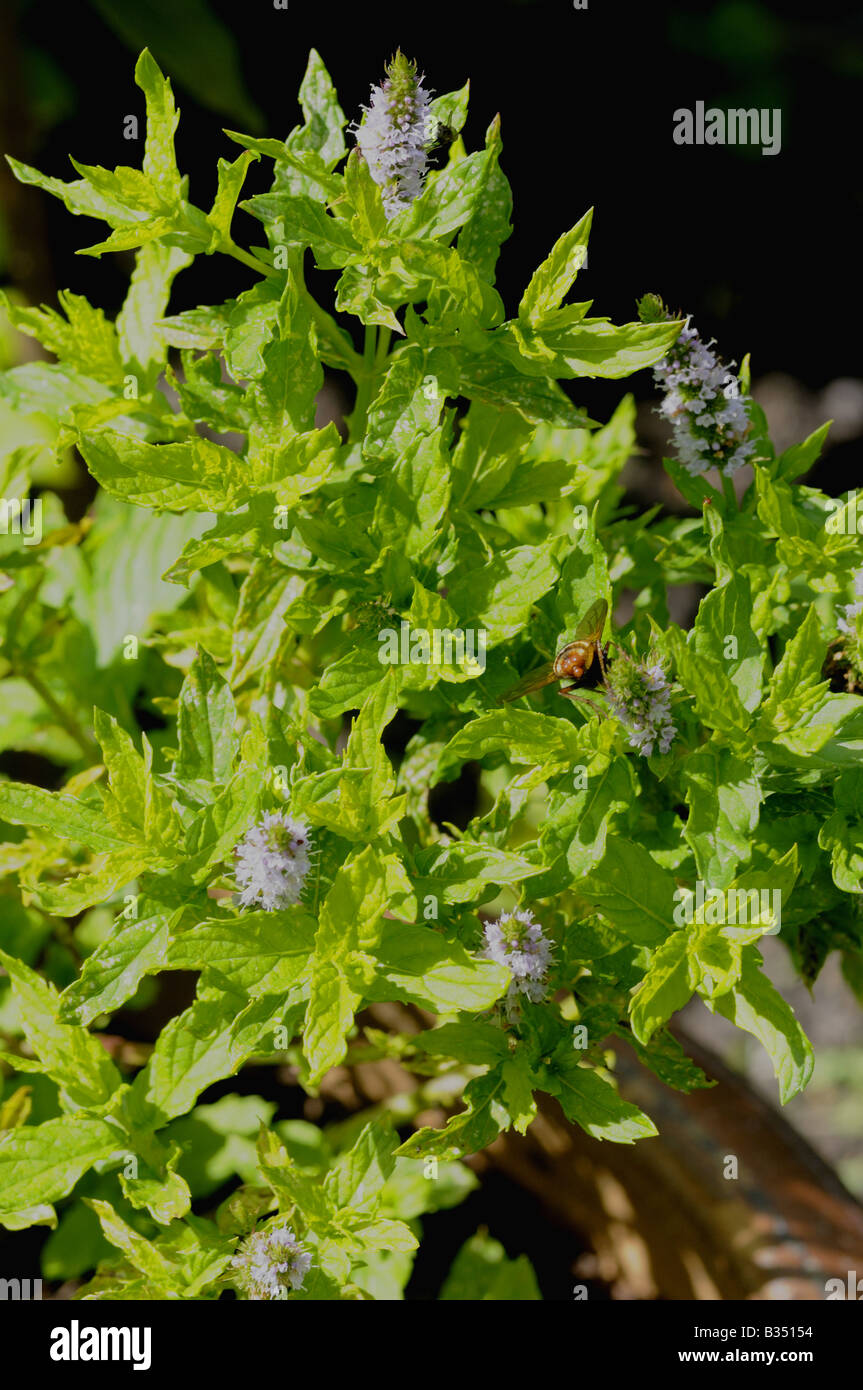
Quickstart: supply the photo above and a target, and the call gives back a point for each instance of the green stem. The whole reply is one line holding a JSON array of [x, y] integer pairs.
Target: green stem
[[246, 258], [62, 716], [730, 494], [383, 349], [327, 330], [366, 383]]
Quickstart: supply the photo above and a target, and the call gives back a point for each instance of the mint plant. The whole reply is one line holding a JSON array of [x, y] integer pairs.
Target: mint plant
[[189, 655]]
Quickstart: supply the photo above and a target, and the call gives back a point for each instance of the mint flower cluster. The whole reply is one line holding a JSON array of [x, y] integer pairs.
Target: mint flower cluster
[[704, 404], [641, 700], [273, 861], [847, 623], [395, 134], [270, 1263], [518, 942]]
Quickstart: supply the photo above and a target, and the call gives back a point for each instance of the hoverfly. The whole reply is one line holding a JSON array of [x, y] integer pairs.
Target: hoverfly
[[442, 136], [571, 661]]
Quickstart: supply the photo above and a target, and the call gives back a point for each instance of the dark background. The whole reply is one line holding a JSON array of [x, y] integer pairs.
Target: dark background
[[762, 250]]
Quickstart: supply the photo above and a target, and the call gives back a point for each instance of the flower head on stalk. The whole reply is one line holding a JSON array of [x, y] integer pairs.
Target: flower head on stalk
[[702, 399], [515, 940], [273, 861], [395, 134], [848, 621], [270, 1263], [641, 700]]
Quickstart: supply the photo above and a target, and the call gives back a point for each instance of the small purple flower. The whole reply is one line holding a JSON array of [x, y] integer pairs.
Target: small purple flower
[[848, 622], [518, 942], [271, 1262], [641, 700], [704, 404], [273, 861], [395, 134]]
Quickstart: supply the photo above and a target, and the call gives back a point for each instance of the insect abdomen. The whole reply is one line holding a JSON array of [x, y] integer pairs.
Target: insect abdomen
[[573, 660]]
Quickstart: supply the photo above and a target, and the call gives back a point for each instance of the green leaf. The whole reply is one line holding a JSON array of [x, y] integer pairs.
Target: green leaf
[[569, 345], [209, 1041], [593, 1103], [551, 283], [524, 737], [461, 872], [358, 1177], [71, 1056], [572, 838], [413, 496], [369, 222], [757, 1007], [704, 677], [85, 339], [502, 384], [449, 199], [477, 1044], [488, 225], [160, 162], [219, 827], [298, 220], [723, 632], [470, 1131], [518, 1088], [159, 1188], [41, 1163], [481, 1272], [117, 589], [421, 967], [499, 595], [206, 719], [796, 687], [143, 1254], [632, 891], [324, 119], [143, 342], [487, 455], [196, 474], [404, 408], [799, 458], [724, 797], [257, 953], [64, 816], [668, 984], [329, 1018], [112, 973], [259, 625], [283, 399], [231, 177]]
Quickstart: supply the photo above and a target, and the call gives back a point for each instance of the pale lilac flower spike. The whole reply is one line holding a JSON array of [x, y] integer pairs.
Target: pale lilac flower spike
[[848, 622], [704, 404], [518, 942], [273, 861], [271, 1262], [395, 134], [641, 700]]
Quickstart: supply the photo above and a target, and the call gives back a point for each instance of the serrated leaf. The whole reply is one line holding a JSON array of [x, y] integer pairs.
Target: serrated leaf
[[756, 1006], [72, 1057]]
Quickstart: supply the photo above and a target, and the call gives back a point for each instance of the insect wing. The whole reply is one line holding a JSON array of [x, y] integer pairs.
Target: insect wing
[[534, 680], [591, 625]]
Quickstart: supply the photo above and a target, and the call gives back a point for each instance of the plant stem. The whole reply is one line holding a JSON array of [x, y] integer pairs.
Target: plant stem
[[248, 259], [730, 494], [323, 322], [366, 383], [62, 716]]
